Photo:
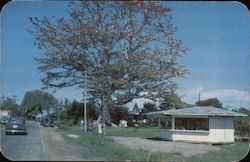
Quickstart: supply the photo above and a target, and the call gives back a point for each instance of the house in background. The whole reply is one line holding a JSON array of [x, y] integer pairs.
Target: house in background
[[45, 114], [197, 124], [4, 113], [134, 113]]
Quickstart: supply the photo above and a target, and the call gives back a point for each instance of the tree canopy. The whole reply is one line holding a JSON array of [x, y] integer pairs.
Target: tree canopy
[[171, 100], [33, 100], [129, 46], [148, 107], [210, 102], [8, 103]]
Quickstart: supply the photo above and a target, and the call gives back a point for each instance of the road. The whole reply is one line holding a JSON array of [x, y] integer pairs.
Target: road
[[23, 147], [43, 144]]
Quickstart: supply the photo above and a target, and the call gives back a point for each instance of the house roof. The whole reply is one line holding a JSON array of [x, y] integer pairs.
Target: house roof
[[197, 111], [133, 112]]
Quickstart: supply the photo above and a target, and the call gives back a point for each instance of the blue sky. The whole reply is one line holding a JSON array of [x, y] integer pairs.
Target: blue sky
[[216, 32]]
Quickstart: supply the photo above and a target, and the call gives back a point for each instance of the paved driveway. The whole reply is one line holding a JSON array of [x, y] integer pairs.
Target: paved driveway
[[23, 147], [186, 149]]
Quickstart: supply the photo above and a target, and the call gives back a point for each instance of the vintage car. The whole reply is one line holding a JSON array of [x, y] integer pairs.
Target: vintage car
[[47, 122], [4, 120], [16, 125]]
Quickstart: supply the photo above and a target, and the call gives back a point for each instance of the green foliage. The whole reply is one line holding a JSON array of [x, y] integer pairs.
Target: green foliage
[[129, 132], [227, 152], [35, 100], [241, 124], [92, 111], [76, 111], [102, 147], [171, 100], [148, 107], [243, 110], [214, 102], [8, 103]]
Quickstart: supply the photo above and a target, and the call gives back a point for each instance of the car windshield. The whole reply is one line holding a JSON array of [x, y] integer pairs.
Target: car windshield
[[16, 120]]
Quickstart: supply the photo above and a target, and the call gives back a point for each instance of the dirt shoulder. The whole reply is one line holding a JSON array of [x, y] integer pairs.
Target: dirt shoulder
[[56, 148], [186, 149]]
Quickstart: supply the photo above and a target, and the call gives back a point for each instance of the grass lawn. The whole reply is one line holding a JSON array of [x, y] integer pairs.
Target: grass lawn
[[228, 152], [133, 132], [109, 150], [2, 125]]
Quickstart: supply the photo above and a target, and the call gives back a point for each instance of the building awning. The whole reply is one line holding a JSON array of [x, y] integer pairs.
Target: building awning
[[197, 111]]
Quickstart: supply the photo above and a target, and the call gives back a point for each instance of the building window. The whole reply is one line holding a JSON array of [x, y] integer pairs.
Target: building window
[[165, 123], [192, 124]]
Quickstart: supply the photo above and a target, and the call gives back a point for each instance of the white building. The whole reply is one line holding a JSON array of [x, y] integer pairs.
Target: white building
[[197, 124], [4, 113]]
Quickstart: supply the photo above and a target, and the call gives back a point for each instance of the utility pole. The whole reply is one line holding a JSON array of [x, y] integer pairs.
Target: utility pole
[[14, 99], [86, 89], [85, 101], [57, 112]]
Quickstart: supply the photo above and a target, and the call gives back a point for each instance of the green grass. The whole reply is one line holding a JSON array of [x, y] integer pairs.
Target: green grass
[[132, 132], [2, 125], [109, 150], [105, 148], [227, 153]]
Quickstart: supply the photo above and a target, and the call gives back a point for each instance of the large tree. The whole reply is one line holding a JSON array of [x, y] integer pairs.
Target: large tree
[[129, 46], [35, 100]]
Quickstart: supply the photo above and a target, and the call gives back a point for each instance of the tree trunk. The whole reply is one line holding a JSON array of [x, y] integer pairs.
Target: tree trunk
[[105, 114]]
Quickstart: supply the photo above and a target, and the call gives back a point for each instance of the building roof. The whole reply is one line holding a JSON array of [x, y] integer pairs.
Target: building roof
[[134, 113], [135, 110], [197, 111]]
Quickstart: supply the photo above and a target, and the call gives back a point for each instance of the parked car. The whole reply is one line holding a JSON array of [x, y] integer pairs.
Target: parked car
[[59, 122], [49, 123], [16, 125], [42, 121], [4, 120]]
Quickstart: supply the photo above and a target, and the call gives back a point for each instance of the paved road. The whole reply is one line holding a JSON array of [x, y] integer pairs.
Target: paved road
[[23, 147]]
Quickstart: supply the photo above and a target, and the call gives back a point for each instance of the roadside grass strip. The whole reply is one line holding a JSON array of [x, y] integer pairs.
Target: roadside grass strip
[[103, 147], [227, 153], [100, 146]]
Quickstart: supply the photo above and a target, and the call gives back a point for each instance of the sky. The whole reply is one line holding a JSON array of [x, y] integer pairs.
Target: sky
[[216, 32]]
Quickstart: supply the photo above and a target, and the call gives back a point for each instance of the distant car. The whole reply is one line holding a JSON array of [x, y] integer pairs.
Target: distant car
[[16, 125], [59, 122], [4, 120], [42, 121], [48, 123]]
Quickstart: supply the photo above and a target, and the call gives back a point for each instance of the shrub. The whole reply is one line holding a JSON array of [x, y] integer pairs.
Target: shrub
[[241, 126], [119, 113]]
